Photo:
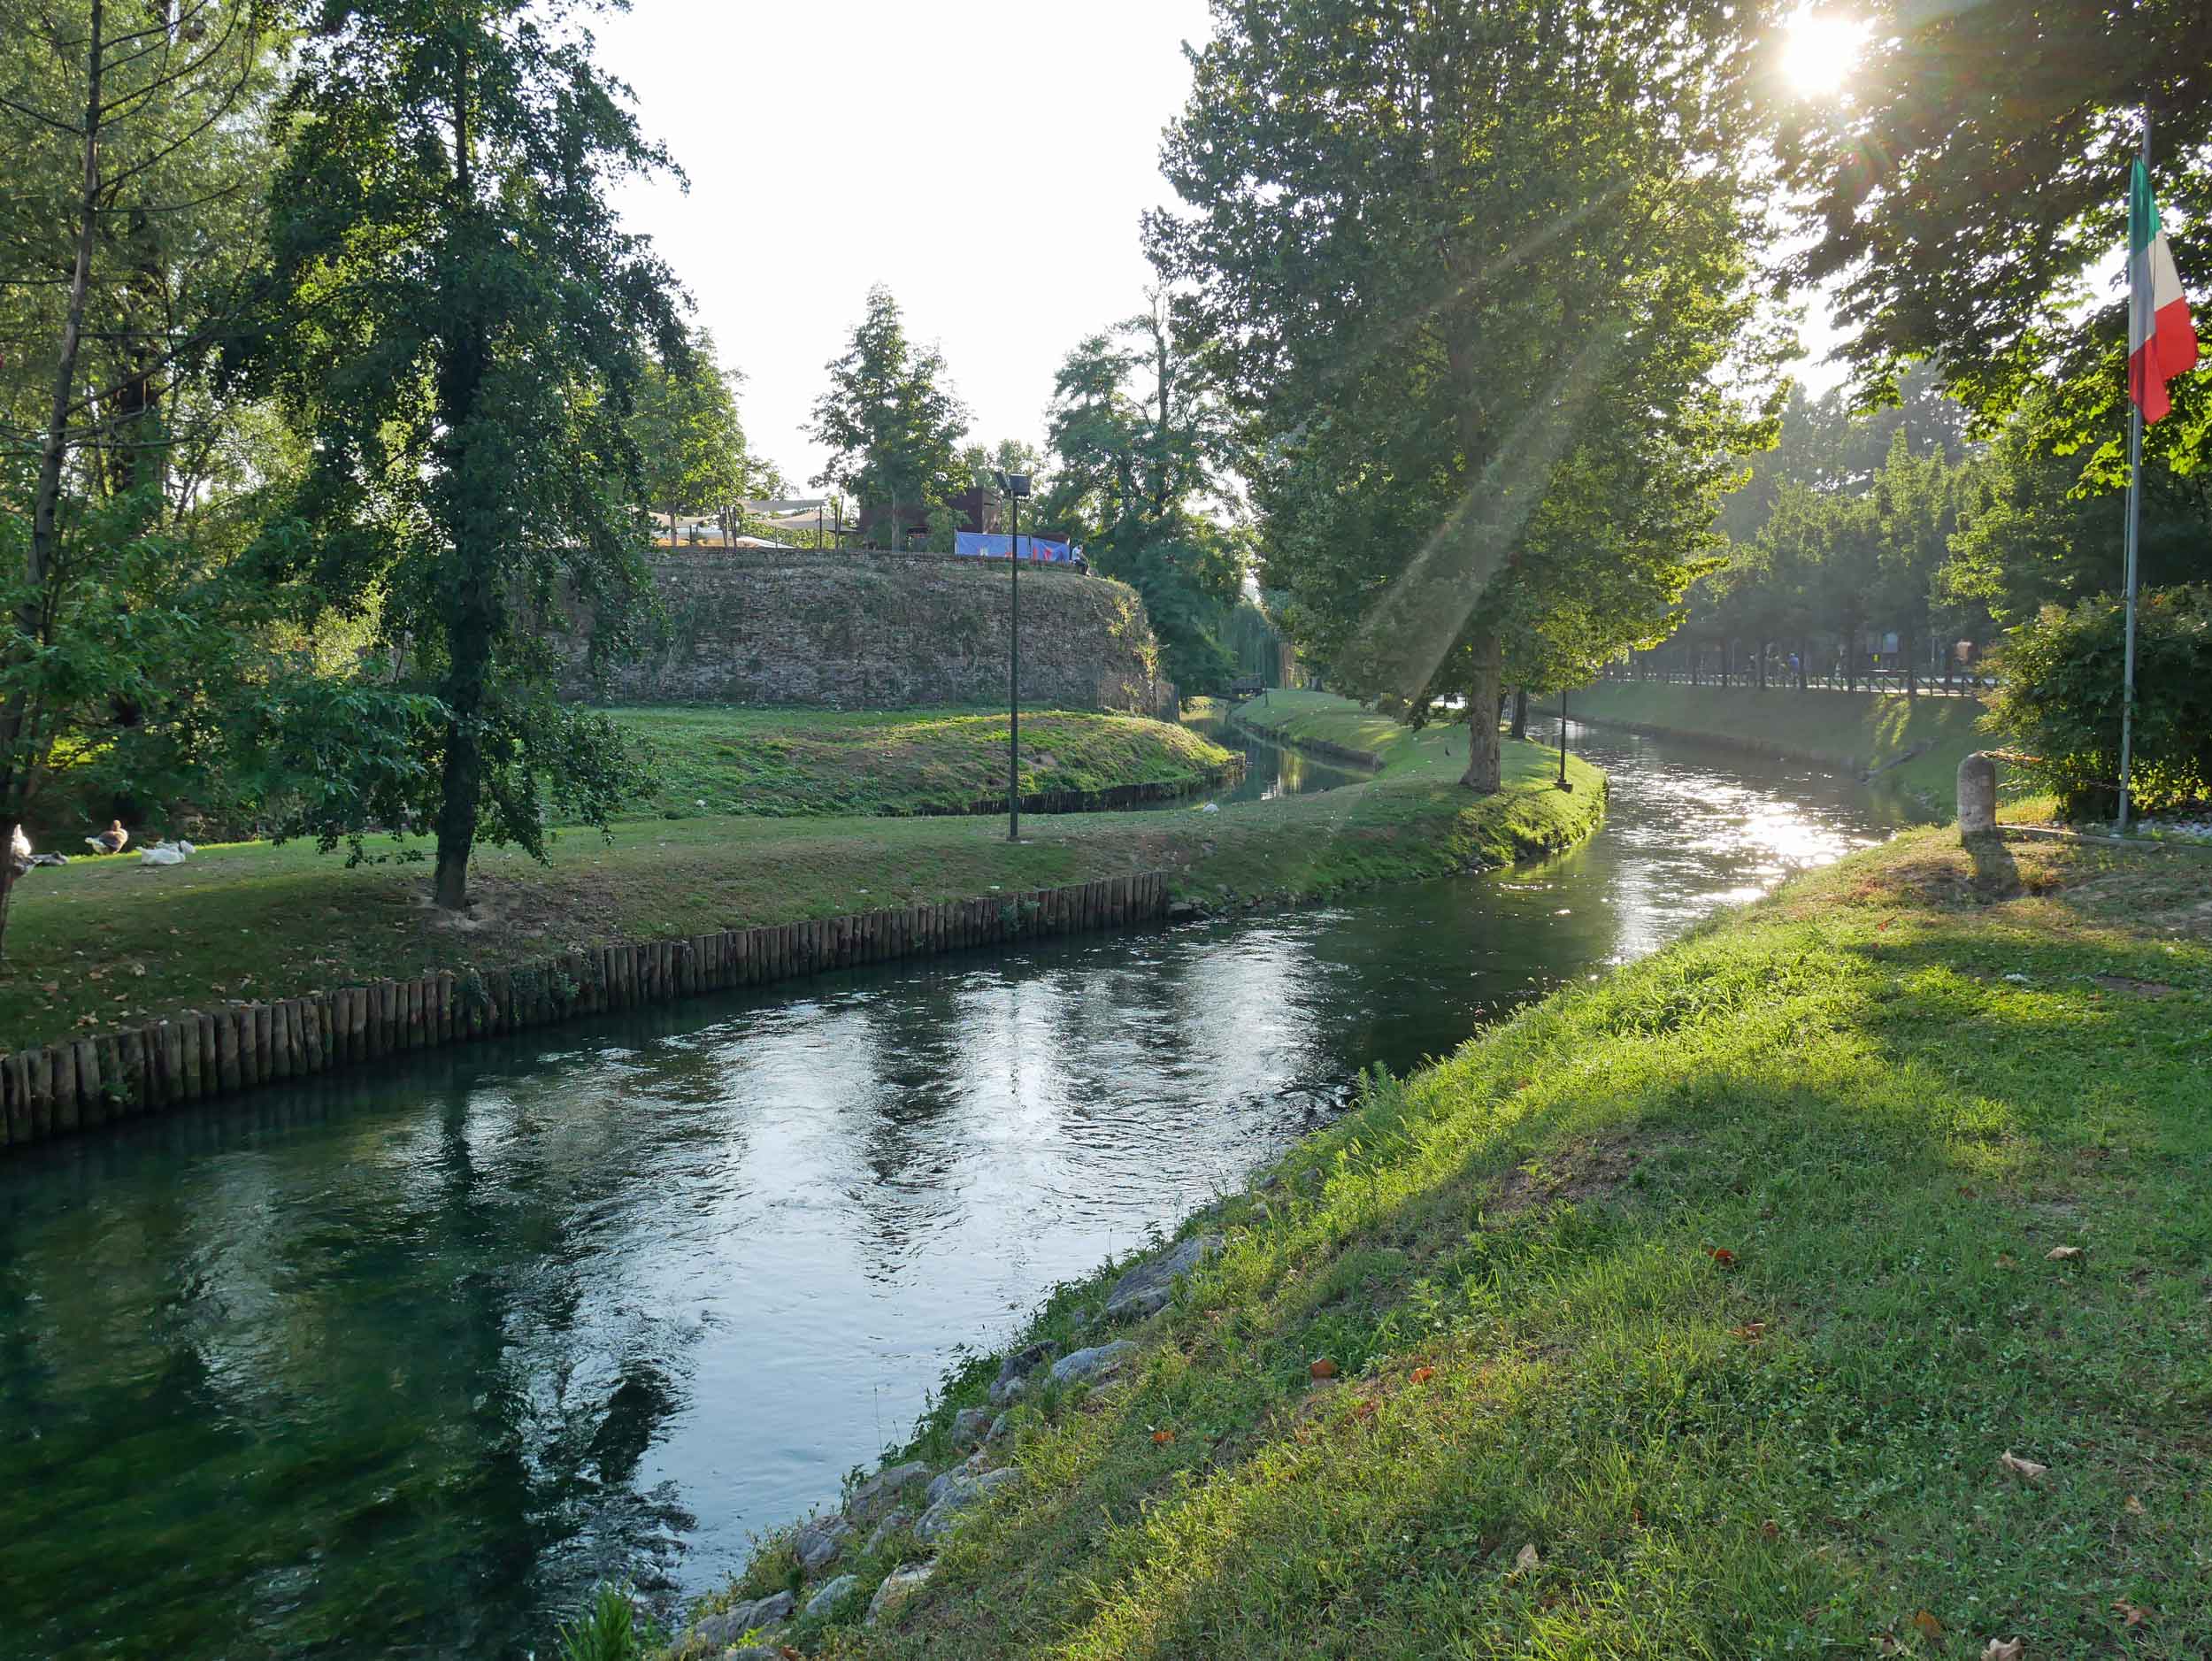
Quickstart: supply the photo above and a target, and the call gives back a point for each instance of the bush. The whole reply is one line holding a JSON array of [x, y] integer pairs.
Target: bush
[[608, 1631], [2059, 692]]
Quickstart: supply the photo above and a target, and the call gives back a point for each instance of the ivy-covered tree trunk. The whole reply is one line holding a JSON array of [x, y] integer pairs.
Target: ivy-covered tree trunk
[[1485, 759]]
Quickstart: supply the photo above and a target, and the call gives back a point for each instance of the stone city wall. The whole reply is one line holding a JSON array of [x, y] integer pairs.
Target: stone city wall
[[885, 631]]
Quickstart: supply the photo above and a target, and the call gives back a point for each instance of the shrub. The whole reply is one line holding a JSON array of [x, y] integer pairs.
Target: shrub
[[608, 1631], [2059, 692]]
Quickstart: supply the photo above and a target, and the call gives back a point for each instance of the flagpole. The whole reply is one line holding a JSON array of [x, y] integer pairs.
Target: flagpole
[[2139, 331]]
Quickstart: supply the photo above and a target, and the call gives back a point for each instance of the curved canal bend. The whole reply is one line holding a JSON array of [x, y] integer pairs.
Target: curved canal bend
[[403, 1364]]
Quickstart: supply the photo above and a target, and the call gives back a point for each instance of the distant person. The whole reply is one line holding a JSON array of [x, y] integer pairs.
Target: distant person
[[113, 839]]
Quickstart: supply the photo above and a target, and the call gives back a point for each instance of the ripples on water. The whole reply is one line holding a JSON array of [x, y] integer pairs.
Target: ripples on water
[[404, 1363]]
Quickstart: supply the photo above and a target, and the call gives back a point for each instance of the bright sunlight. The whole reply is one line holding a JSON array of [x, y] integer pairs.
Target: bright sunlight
[[1821, 51]]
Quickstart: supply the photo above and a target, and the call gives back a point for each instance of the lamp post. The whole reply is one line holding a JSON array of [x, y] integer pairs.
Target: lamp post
[[1562, 785], [1014, 487]]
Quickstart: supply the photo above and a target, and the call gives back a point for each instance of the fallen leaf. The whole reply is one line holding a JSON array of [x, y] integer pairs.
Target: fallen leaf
[[1324, 1368], [1750, 1332], [1527, 1562], [1929, 1626], [2026, 1469], [1363, 1409], [1723, 1256], [1422, 1375], [2005, 1650], [2132, 1506], [2130, 1614], [2063, 1254], [1163, 1436], [2005, 1260], [1770, 1529]]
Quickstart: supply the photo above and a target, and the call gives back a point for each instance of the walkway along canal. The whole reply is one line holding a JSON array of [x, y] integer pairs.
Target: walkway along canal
[[401, 1362]]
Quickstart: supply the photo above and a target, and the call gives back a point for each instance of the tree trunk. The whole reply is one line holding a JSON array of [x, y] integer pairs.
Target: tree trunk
[[1804, 650], [1763, 664], [1909, 657], [1520, 712], [461, 781], [1851, 660], [1485, 760]]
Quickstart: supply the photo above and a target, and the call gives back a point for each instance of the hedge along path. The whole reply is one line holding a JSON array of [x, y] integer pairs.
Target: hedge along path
[[57, 1089]]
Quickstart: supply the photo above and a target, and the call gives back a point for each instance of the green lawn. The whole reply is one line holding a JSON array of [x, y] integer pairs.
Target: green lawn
[[1833, 1282], [101, 943], [1849, 731], [781, 762]]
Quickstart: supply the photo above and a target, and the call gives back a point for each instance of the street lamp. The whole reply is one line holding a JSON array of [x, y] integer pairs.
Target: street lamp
[[1015, 487], [1562, 784]]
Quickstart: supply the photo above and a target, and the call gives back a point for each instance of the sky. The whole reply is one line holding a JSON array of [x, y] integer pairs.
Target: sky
[[988, 160]]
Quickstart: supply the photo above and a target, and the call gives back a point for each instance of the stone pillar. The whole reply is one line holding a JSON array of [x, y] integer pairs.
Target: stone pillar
[[1977, 797]]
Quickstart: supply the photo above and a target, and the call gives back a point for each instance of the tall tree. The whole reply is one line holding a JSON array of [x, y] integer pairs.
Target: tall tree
[[131, 155], [689, 440], [891, 421], [456, 315], [1140, 441], [1475, 271]]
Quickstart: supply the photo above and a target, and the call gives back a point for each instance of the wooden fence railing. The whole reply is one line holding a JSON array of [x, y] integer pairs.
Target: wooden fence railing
[[57, 1090]]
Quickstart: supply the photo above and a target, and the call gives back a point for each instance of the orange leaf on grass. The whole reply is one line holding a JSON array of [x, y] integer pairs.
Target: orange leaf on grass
[[1929, 1626], [1164, 1436], [1324, 1368], [1422, 1375], [1723, 1256]]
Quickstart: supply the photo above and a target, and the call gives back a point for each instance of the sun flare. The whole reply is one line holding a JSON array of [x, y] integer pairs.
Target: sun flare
[[1820, 51]]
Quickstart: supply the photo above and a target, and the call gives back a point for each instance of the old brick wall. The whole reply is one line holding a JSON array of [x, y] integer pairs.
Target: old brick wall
[[884, 630]]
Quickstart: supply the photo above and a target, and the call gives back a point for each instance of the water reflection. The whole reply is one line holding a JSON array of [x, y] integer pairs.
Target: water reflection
[[402, 1364]]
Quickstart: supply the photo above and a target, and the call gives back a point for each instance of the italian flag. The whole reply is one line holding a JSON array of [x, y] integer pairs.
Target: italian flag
[[2162, 340]]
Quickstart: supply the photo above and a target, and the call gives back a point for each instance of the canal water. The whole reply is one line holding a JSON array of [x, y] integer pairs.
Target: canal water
[[402, 1364]]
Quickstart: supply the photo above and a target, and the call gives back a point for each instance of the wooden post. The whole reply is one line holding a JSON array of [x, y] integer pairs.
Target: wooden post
[[114, 1081], [92, 1108], [18, 1117], [68, 1110], [280, 1040], [44, 1064], [194, 1081], [211, 1069], [229, 1072]]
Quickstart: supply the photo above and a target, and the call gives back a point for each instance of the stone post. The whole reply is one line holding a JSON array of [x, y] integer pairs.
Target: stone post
[[1977, 797]]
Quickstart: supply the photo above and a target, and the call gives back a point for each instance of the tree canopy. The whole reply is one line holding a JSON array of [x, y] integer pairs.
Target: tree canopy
[[1969, 181], [452, 312], [891, 422], [1142, 447], [1479, 280]]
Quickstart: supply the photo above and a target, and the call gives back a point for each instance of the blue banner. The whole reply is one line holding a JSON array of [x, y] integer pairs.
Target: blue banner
[[993, 545]]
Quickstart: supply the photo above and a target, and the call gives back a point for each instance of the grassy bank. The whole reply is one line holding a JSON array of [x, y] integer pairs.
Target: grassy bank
[[99, 942], [1919, 743], [786, 763], [1832, 1282], [1330, 724]]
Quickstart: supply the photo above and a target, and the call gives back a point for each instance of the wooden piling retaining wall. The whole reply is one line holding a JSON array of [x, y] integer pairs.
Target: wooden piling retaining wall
[[56, 1089]]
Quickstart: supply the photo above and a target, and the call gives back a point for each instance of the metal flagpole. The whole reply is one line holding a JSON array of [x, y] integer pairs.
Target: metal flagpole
[[2139, 331]]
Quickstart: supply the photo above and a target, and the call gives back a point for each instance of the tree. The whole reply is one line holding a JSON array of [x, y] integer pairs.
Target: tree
[[892, 426], [130, 159], [1973, 174], [452, 312], [690, 442], [1139, 443], [1475, 275]]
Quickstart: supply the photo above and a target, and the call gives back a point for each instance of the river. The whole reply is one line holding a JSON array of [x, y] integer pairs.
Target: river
[[402, 1363]]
